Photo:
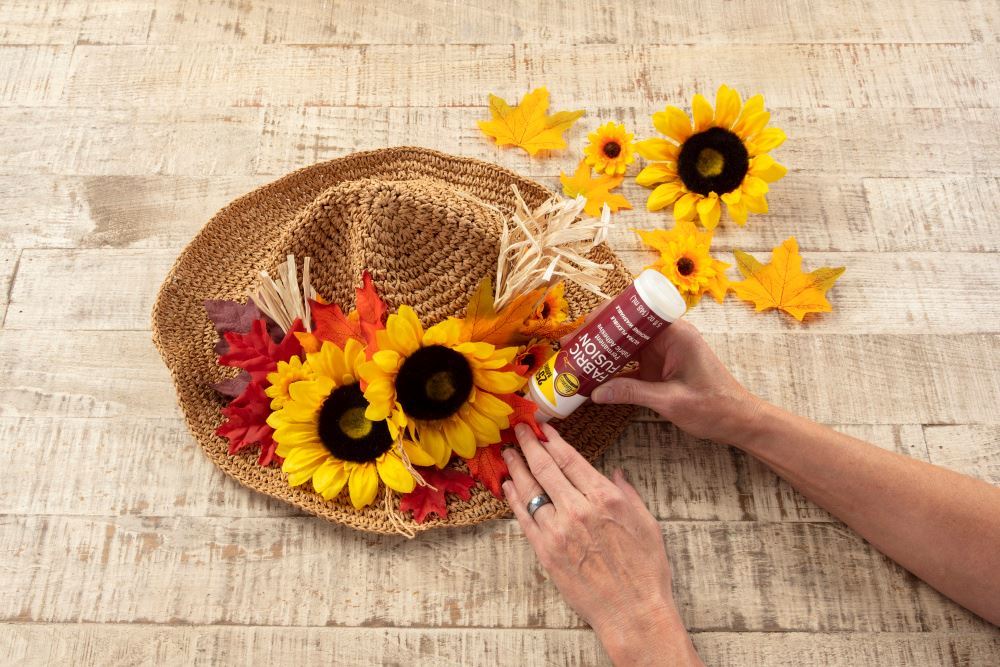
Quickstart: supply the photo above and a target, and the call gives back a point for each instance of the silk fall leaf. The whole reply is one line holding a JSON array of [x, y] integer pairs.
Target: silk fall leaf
[[524, 413], [489, 468], [330, 323], [257, 353], [597, 191], [483, 323], [426, 500], [246, 424], [528, 125], [781, 283]]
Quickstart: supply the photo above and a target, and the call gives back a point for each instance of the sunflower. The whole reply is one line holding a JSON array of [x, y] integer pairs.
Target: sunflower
[[610, 149], [685, 260], [282, 378], [442, 388], [722, 158], [324, 435]]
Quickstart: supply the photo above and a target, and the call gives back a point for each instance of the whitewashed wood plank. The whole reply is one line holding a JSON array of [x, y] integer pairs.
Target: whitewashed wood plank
[[934, 213], [776, 500], [831, 378], [566, 22], [172, 140], [835, 76], [879, 293], [93, 289], [30, 22], [8, 264], [33, 75], [111, 22], [44, 644], [971, 450], [112, 211], [742, 576]]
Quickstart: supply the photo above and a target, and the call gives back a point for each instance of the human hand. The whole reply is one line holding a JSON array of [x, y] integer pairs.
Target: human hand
[[602, 549], [681, 379]]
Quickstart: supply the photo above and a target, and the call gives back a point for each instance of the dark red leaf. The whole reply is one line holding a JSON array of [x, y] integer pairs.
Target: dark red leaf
[[256, 353], [426, 500], [232, 316], [246, 424], [233, 387]]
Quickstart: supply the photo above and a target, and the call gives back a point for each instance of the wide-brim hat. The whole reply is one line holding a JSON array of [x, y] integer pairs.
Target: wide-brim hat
[[425, 224]]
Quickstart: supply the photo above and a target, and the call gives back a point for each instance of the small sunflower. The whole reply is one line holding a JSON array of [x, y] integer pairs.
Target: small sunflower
[[323, 434], [686, 261], [610, 149], [282, 378], [721, 158], [441, 388], [553, 307]]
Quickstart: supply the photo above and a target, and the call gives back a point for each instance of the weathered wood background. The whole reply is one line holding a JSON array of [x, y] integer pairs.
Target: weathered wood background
[[125, 124]]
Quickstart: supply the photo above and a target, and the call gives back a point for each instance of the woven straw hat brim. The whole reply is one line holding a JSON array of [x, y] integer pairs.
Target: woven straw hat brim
[[318, 212]]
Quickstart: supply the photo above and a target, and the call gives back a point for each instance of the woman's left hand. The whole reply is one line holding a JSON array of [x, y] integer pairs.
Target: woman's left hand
[[601, 547]]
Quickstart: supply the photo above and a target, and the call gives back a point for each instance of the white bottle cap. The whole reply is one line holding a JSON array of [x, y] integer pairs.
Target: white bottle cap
[[656, 290]]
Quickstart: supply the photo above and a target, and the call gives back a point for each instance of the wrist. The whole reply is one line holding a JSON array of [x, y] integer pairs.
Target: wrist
[[651, 637]]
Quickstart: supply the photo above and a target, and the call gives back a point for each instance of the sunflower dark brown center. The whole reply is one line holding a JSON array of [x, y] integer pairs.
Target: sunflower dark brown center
[[713, 161], [685, 266], [612, 149], [433, 382], [346, 432]]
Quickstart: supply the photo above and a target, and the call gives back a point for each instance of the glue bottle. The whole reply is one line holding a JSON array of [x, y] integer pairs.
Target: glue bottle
[[605, 344]]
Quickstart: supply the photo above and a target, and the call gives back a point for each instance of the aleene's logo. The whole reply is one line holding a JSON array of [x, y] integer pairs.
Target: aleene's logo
[[567, 384]]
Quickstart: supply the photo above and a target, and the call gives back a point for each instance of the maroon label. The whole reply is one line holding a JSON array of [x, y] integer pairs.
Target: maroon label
[[608, 342]]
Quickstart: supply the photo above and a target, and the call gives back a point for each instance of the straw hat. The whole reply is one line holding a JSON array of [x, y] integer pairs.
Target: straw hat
[[423, 223]]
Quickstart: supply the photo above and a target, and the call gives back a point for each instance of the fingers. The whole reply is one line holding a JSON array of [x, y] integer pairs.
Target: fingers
[[519, 505], [623, 390], [618, 477], [572, 464], [526, 486], [545, 470]]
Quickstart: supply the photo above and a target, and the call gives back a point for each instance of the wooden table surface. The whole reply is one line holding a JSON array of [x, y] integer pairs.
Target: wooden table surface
[[124, 125]]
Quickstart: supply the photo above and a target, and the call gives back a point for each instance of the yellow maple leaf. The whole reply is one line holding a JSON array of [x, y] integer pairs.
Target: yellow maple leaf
[[528, 125], [781, 283], [595, 190], [483, 323]]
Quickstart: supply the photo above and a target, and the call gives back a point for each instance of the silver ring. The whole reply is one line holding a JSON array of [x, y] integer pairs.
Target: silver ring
[[536, 502]]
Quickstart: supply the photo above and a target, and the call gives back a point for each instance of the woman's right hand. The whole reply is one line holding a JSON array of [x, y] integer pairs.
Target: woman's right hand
[[680, 378]]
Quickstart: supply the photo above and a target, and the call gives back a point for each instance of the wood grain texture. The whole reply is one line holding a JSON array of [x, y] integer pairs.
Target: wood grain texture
[[764, 576], [47, 643], [971, 450], [831, 378], [8, 266]]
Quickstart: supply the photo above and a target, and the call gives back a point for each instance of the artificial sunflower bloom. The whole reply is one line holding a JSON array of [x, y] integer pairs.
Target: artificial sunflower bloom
[[610, 149], [721, 158], [282, 378], [686, 261], [442, 389], [324, 436]]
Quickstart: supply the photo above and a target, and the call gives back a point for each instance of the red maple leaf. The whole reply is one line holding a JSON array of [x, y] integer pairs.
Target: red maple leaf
[[524, 413], [330, 322], [488, 467], [246, 424], [426, 500], [255, 351], [372, 310]]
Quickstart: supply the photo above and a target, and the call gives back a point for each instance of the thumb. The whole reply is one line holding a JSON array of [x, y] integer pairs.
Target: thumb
[[630, 390]]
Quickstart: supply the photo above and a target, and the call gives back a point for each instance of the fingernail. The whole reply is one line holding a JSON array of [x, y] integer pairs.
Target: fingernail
[[603, 395], [506, 486], [521, 431], [505, 453]]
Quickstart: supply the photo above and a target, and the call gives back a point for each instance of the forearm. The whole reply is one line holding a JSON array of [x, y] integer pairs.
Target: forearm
[[942, 526], [657, 638]]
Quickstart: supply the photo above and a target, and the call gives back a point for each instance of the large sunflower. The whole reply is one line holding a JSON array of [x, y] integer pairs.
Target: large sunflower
[[720, 158], [324, 435], [441, 388]]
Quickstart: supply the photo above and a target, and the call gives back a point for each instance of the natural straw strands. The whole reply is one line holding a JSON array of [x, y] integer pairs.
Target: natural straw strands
[[281, 300]]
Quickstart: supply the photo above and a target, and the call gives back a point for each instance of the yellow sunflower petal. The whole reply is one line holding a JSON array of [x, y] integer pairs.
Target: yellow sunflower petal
[[446, 332], [487, 431], [766, 140], [363, 485], [664, 195], [478, 350], [727, 106], [405, 331], [753, 106], [461, 437], [658, 150], [394, 474], [738, 212], [755, 204], [329, 479], [498, 382], [702, 112], [684, 207], [709, 211], [297, 434], [417, 455], [495, 408], [765, 167], [754, 186], [432, 441], [754, 124], [673, 123], [658, 172]]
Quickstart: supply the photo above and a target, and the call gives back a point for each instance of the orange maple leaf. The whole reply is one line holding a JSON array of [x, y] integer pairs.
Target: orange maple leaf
[[330, 322], [488, 467], [595, 190], [528, 125], [483, 323], [781, 284]]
